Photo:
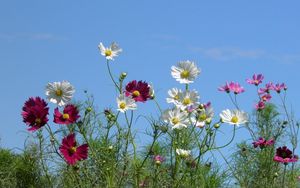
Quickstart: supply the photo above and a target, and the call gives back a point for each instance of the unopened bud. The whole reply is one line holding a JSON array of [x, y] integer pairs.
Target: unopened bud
[[217, 125]]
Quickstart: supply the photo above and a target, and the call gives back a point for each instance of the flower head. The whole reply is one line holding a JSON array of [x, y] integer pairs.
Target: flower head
[[203, 115], [284, 155], [187, 99], [266, 97], [236, 88], [71, 152], [70, 115], [158, 159], [125, 103], [262, 143], [177, 118], [260, 105], [110, 52], [185, 72], [59, 93], [256, 79], [225, 88], [35, 112], [174, 95], [234, 117], [139, 91], [183, 153], [278, 87]]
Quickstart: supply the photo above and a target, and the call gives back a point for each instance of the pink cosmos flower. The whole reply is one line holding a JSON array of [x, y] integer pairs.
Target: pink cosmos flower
[[71, 152], [262, 143], [236, 88], [278, 87], [285, 156], [260, 105], [158, 159], [266, 97], [225, 88], [35, 112], [256, 79], [69, 115], [139, 91], [269, 86]]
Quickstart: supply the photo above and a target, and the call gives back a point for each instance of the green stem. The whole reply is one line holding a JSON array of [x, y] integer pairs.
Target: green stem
[[112, 78]]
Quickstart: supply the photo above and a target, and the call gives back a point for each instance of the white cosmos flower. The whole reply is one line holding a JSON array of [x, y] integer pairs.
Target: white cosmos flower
[[203, 116], [174, 95], [110, 52], [234, 117], [125, 103], [187, 99], [185, 72], [183, 153], [178, 119], [59, 93]]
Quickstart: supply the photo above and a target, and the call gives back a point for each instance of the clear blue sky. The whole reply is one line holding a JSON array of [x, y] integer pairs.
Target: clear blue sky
[[46, 41]]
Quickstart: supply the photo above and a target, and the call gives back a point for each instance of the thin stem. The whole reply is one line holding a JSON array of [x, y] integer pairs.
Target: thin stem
[[111, 76]]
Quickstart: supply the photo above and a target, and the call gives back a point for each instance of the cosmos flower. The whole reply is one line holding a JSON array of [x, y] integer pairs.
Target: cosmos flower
[[284, 155], [260, 105], [203, 115], [236, 88], [110, 52], [139, 91], [256, 79], [174, 94], [35, 112], [71, 152], [178, 119], [125, 103], [234, 117], [225, 88], [278, 87], [268, 87], [187, 99], [59, 93], [266, 97], [183, 153], [262, 143], [69, 115], [158, 159], [185, 72]]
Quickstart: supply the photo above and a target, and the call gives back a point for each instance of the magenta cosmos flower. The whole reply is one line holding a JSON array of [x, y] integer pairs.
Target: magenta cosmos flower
[[225, 88], [260, 105], [69, 115], [236, 88], [158, 159], [278, 87], [35, 112], [71, 152], [262, 143], [269, 86], [266, 97], [256, 79], [139, 91], [284, 155]]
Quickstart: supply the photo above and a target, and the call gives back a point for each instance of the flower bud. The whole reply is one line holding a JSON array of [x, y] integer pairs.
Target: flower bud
[[217, 125]]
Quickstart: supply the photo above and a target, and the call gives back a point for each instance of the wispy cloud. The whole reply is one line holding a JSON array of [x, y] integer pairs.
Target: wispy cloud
[[32, 36]]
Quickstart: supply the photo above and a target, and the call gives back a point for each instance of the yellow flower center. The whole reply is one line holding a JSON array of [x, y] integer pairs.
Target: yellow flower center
[[175, 120], [122, 105], [176, 97], [202, 117], [73, 150], [59, 92], [108, 52], [186, 101], [136, 93], [38, 121], [66, 116], [157, 162], [185, 74], [234, 119]]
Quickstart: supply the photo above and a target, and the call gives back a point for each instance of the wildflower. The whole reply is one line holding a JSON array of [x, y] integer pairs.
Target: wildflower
[[278, 87], [266, 97], [236, 88], [183, 153], [262, 143], [178, 119], [110, 52], [59, 93], [71, 152], [125, 103], [285, 156], [260, 105], [203, 116], [139, 91], [187, 99], [185, 72], [70, 115], [158, 159], [174, 94], [269, 86], [256, 79], [234, 117], [225, 88], [35, 112]]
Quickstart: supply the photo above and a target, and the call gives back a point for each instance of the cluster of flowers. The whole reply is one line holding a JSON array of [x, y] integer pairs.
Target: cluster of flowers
[[35, 115]]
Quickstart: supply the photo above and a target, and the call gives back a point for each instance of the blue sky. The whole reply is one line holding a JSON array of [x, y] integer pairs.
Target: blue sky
[[42, 42]]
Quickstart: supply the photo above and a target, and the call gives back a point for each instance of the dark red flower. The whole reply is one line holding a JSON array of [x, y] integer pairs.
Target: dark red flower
[[139, 91], [284, 155], [71, 152], [69, 115], [35, 112]]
